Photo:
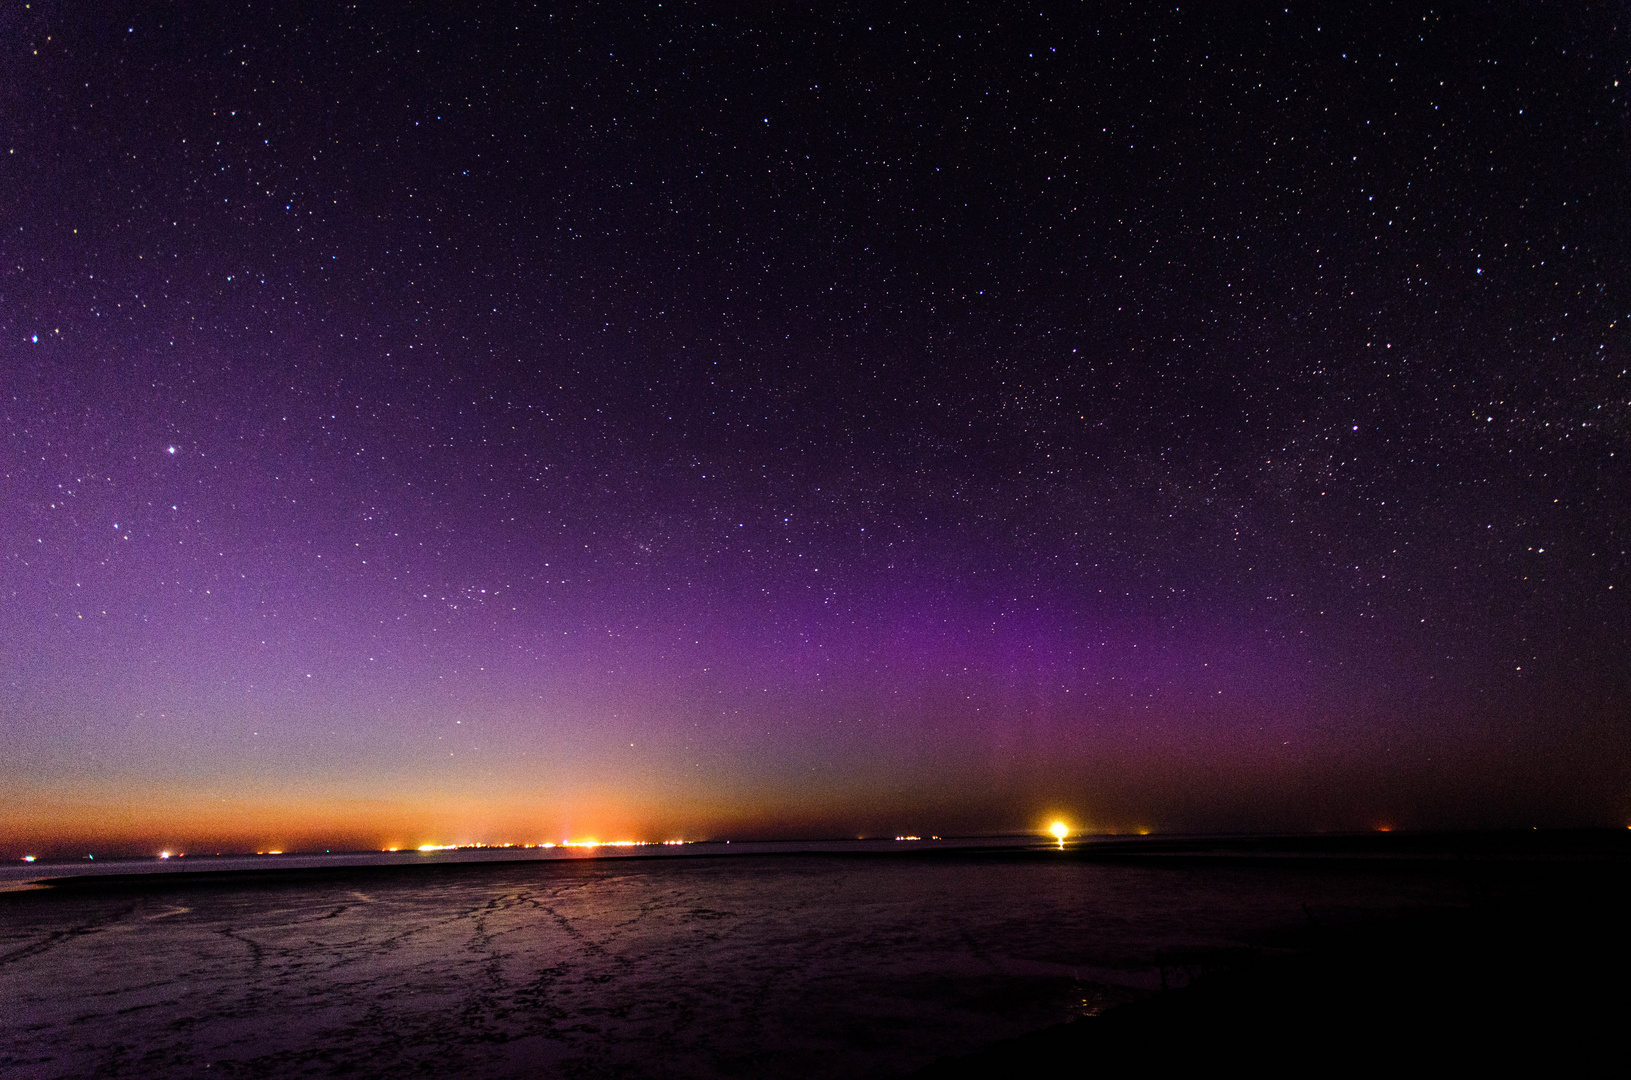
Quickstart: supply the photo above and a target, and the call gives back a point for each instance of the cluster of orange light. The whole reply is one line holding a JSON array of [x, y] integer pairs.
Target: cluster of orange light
[[563, 843]]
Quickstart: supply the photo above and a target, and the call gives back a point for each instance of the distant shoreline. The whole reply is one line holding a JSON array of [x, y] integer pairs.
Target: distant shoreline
[[1327, 850]]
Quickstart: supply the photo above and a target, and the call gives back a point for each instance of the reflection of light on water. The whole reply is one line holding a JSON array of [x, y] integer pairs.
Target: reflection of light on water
[[1059, 830]]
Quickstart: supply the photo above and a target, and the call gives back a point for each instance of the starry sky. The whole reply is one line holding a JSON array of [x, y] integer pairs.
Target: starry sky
[[449, 424]]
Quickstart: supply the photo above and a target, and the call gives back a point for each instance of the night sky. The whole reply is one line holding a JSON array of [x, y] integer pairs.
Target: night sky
[[433, 425]]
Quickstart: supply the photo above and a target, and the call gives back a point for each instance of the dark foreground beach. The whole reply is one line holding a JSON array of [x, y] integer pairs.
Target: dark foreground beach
[[1528, 977], [1313, 955]]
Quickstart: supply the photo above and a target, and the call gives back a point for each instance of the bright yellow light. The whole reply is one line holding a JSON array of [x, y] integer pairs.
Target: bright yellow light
[[437, 847], [1059, 830]]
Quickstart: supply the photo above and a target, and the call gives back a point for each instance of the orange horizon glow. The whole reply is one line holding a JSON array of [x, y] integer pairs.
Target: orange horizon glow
[[147, 820]]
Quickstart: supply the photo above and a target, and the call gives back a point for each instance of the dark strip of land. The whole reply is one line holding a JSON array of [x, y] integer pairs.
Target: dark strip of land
[[1476, 855]]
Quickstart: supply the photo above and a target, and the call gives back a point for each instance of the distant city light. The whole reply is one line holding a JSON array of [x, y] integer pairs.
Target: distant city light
[[542, 845], [1059, 830]]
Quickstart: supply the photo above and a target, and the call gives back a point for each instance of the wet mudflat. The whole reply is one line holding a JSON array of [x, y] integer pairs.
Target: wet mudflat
[[805, 965], [1527, 979]]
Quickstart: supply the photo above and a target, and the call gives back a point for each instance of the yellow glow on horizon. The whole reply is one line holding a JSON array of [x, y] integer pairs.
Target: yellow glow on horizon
[[542, 845], [1059, 830], [586, 844]]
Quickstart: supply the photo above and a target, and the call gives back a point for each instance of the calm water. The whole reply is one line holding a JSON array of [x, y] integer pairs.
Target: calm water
[[810, 964]]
